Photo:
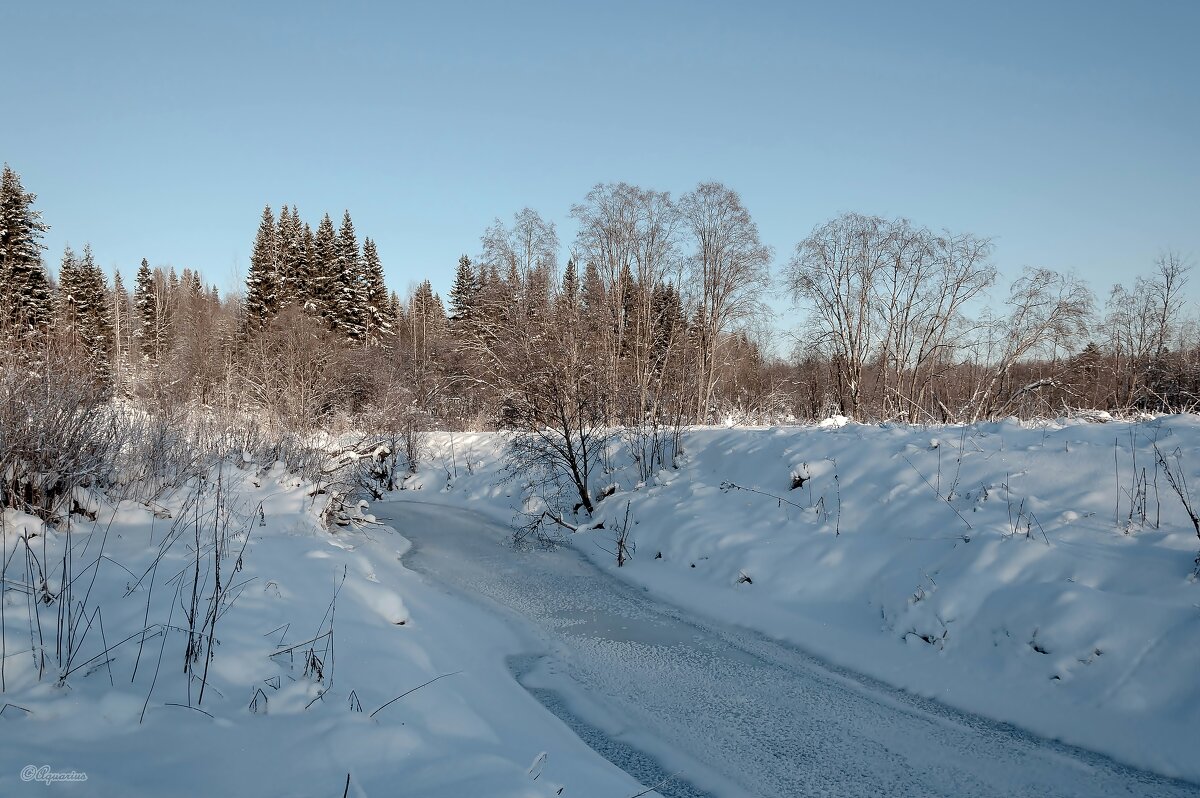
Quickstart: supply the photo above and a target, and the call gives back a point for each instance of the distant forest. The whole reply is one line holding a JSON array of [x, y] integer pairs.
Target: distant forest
[[656, 319]]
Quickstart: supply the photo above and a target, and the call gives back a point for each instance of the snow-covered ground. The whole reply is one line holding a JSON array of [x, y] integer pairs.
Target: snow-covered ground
[[1039, 575], [1005, 570], [133, 723]]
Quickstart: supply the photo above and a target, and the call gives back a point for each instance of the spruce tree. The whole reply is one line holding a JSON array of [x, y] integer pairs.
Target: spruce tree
[[84, 316], [96, 317], [66, 304], [567, 302], [261, 286], [119, 304], [26, 304], [145, 305], [322, 274], [349, 288], [464, 295], [293, 268], [378, 323], [285, 282]]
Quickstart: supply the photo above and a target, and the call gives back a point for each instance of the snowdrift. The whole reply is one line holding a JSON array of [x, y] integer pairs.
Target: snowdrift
[[1041, 575]]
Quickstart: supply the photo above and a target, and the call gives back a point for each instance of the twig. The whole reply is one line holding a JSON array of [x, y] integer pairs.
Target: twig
[[418, 687]]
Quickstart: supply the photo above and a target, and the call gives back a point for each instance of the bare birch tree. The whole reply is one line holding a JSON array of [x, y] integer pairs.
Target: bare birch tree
[[729, 268]]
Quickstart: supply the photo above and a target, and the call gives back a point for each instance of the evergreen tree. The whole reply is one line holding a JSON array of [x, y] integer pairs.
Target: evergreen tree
[[293, 258], [145, 305], [285, 281], [567, 302], [84, 316], [261, 285], [349, 292], [120, 313], [376, 318], [26, 304], [322, 277], [66, 305], [464, 294], [305, 259], [97, 318]]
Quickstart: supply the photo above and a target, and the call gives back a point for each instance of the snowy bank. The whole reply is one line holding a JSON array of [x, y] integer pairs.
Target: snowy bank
[[317, 633], [1040, 575]]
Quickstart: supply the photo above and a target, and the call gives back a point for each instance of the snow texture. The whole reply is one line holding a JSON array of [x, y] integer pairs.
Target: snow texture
[[1040, 575]]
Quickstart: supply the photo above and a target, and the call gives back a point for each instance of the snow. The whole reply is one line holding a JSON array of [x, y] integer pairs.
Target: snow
[[996, 568], [719, 711], [265, 727], [1001, 569]]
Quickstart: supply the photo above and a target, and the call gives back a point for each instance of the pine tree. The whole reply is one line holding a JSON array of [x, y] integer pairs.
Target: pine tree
[[349, 287], [145, 305], [261, 287], [26, 304], [378, 323]]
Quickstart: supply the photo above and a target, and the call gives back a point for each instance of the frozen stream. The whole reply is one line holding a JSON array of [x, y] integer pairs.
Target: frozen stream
[[659, 692]]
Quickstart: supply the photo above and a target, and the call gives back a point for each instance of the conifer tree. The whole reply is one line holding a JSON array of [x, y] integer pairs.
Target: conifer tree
[[145, 305], [304, 266], [377, 322], [66, 305], [84, 317], [322, 275], [96, 317], [119, 310], [285, 281], [567, 301], [26, 304], [261, 287], [349, 291], [293, 259], [464, 294]]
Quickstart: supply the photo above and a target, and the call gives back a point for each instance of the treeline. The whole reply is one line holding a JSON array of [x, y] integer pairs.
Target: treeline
[[656, 319]]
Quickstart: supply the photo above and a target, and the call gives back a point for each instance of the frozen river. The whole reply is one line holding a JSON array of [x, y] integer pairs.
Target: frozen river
[[724, 712]]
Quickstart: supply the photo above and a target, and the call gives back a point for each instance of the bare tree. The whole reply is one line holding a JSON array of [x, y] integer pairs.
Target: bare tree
[[1048, 311], [834, 270], [729, 269]]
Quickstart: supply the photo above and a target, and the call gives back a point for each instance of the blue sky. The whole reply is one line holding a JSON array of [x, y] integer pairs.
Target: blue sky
[[1067, 130]]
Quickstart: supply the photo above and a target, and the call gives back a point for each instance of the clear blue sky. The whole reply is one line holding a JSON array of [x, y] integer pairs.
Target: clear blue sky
[[1070, 131]]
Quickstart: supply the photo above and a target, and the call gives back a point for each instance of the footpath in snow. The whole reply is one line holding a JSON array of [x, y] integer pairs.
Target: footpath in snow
[[1038, 575]]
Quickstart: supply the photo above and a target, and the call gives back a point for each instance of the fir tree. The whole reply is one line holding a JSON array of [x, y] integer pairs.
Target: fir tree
[[464, 294], [376, 318], [84, 317], [303, 263], [145, 305], [285, 281], [120, 313], [261, 286], [26, 304], [567, 302], [96, 316], [66, 305], [349, 291], [321, 271], [293, 258]]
